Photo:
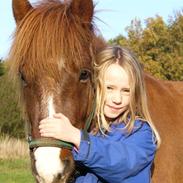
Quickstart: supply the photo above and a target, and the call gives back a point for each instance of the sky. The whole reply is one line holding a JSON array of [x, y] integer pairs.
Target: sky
[[113, 16]]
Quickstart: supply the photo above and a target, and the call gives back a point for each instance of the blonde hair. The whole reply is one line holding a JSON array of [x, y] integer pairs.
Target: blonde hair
[[138, 107]]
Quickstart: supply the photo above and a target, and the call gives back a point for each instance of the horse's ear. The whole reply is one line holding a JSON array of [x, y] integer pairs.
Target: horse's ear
[[20, 9], [83, 8]]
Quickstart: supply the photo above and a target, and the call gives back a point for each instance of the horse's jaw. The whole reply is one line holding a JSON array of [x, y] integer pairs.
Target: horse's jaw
[[48, 164]]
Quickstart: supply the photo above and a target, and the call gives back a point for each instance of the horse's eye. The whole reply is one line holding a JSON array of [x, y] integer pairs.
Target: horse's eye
[[84, 75]]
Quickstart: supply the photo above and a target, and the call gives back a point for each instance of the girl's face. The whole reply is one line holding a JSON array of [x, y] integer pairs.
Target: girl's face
[[117, 98]]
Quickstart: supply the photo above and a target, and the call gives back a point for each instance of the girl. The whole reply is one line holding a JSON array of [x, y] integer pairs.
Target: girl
[[123, 150]]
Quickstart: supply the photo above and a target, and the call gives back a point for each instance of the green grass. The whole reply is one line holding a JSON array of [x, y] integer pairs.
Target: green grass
[[15, 171]]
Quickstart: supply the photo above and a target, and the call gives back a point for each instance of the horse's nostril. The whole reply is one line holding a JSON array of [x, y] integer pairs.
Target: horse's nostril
[[58, 178]]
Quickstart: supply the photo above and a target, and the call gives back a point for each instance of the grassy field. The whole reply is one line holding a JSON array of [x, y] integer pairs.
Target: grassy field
[[14, 161], [15, 171]]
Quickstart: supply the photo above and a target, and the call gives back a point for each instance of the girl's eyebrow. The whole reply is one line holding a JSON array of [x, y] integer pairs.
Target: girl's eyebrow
[[111, 85], [123, 88], [126, 89]]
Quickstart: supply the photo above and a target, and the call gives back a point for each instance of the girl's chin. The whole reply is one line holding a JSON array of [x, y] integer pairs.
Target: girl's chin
[[111, 116]]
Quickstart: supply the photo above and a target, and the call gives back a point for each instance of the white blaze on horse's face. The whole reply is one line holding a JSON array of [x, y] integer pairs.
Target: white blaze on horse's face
[[48, 163], [51, 109], [47, 159]]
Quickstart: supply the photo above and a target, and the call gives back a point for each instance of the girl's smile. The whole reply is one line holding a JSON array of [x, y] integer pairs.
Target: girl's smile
[[113, 107]]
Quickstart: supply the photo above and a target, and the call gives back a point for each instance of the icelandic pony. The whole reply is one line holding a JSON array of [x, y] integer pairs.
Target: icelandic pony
[[165, 100], [52, 57]]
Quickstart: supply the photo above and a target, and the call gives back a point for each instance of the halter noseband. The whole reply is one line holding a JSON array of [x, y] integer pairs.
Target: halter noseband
[[51, 142]]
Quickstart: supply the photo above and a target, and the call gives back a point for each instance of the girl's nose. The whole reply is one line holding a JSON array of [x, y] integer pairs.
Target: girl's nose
[[117, 98]]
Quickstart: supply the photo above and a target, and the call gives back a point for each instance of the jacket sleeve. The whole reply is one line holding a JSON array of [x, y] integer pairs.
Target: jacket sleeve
[[115, 160]]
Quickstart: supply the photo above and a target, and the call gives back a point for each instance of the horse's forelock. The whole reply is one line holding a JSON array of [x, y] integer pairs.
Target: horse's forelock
[[51, 33]]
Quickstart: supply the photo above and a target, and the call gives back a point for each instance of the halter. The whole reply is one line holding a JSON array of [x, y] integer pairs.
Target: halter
[[50, 142]]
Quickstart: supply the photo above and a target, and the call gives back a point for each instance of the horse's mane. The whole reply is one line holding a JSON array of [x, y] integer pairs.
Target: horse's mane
[[47, 34]]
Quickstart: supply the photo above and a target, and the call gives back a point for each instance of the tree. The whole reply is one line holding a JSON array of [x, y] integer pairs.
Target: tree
[[11, 122], [158, 46], [2, 70], [119, 40], [135, 31]]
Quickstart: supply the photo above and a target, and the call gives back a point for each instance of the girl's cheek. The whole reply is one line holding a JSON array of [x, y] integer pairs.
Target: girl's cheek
[[107, 98], [127, 99]]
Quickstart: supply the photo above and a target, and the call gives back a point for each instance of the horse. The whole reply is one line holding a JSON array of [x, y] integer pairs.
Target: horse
[[52, 58], [165, 104]]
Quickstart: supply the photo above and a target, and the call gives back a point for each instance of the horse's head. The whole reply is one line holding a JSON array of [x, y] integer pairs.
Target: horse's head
[[52, 54]]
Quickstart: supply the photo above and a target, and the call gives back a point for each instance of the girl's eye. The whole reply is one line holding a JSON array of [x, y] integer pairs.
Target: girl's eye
[[126, 90], [109, 88]]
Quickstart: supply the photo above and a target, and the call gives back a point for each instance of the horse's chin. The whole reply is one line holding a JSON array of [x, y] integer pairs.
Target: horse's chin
[[48, 164]]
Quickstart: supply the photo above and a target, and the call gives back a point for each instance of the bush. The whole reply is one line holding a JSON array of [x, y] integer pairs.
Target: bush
[[2, 70], [11, 122]]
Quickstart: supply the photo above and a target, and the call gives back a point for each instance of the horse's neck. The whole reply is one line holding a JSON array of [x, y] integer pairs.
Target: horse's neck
[[171, 87]]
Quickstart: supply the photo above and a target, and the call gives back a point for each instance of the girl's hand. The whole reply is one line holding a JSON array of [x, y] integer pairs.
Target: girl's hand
[[60, 127]]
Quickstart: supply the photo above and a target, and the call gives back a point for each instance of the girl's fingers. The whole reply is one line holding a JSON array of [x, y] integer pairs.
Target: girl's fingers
[[44, 125], [47, 127], [42, 130], [47, 130], [45, 121]]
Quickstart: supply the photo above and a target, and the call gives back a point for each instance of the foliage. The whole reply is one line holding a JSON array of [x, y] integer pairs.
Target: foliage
[[10, 119], [159, 46], [2, 69]]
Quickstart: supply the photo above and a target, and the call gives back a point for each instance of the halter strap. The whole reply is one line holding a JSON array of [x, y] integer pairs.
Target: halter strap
[[48, 142], [51, 142]]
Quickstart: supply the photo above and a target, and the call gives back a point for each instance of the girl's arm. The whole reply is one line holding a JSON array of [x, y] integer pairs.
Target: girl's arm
[[115, 160]]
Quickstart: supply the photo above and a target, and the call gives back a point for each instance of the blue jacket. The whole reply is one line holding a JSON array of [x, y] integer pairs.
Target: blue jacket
[[117, 157]]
